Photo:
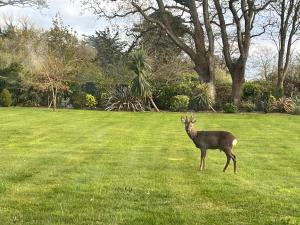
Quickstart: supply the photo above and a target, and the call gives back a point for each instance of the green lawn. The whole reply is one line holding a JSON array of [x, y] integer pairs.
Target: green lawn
[[91, 167]]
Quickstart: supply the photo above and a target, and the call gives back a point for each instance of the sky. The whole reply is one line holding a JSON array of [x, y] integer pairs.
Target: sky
[[71, 13], [85, 23]]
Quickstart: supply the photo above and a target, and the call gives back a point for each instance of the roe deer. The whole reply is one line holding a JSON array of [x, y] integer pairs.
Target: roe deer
[[222, 140]]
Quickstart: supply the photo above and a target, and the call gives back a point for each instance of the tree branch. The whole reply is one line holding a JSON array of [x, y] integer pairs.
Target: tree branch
[[169, 31]]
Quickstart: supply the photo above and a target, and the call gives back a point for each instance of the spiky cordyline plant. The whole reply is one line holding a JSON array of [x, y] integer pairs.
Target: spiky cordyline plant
[[140, 85], [122, 99]]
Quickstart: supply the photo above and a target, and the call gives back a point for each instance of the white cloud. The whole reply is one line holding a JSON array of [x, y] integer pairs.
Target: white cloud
[[71, 13]]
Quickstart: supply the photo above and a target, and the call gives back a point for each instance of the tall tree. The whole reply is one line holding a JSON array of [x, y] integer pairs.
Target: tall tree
[[109, 47], [287, 14], [58, 62], [198, 44], [154, 39], [111, 56], [263, 60], [237, 19]]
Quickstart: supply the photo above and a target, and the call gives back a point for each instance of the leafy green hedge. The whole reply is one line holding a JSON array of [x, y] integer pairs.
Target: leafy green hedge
[[5, 98]]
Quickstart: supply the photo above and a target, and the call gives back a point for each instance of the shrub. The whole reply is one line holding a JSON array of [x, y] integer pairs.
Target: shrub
[[202, 98], [101, 100], [296, 110], [78, 100], [162, 95], [266, 101], [223, 95], [283, 105], [180, 103], [90, 101], [230, 108], [251, 91], [29, 98], [248, 106], [123, 99], [277, 92], [5, 98], [296, 100]]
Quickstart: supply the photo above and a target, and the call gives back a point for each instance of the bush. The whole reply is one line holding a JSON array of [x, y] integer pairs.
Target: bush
[[248, 106], [101, 100], [223, 95], [202, 99], [162, 95], [251, 91], [283, 105], [29, 98], [180, 103], [296, 110], [78, 100], [266, 101], [5, 98], [230, 108], [123, 99], [90, 101]]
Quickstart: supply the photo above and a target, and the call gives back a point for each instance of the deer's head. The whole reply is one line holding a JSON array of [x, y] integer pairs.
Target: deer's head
[[188, 122]]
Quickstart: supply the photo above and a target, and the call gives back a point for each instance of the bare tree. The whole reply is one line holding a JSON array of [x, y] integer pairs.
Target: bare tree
[[288, 24], [263, 60], [23, 3], [196, 15], [237, 20]]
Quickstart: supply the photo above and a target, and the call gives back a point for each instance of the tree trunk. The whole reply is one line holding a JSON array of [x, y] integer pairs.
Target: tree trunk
[[54, 98], [54, 102], [237, 87], [280, 78], [208, 77], [153, 104]]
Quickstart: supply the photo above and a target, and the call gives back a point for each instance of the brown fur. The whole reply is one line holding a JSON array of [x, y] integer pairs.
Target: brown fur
[[222, 140]]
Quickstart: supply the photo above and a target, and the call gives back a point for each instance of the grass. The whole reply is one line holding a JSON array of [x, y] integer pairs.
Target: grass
[[90, 167]]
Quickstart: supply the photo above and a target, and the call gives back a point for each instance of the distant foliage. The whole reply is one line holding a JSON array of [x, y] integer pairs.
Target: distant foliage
[[29, 97], [223, 95], [296, 110], [122, 99], [90, 101], [5, 98], [109, 48], [283, 104], [230, 108], [251, 91], [78, 100], [266, 101], [180, 103], [163, 93]]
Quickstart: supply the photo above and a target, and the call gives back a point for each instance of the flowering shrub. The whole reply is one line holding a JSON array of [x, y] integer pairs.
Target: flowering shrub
[[90, 101]]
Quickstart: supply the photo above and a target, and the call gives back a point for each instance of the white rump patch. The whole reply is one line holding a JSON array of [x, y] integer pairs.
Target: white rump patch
[[234, 142]]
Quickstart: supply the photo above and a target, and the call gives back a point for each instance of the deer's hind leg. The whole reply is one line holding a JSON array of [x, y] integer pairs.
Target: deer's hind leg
[[230, 155], [228, 161], [234, 161]]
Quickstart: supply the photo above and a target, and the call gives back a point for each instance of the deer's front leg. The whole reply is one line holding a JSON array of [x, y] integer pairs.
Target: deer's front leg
[[202, 160]]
